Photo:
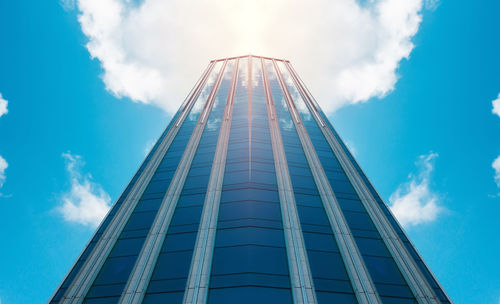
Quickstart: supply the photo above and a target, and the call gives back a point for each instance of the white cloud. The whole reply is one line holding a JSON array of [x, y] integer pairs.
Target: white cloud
[[414, 203], [68, 4], [3, 105], [496, 167], [352, 148], [3, 167], [496, 106], [432, 4], [86, 202], [153, 51], [147, 148], [3, 162]]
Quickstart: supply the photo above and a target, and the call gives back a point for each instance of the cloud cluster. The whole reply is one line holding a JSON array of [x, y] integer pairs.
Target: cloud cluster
[[496, 163], [3, 167], [152, 51], [3, 162], [414, 202], [3, 106], [496, 106], [496, 166], [86, 202], [432, 4]]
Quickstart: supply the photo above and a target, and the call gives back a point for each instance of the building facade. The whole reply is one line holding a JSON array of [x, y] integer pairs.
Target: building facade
[[250, 196]]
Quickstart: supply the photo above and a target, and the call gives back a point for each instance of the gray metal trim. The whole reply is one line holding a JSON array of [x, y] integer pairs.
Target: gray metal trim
[[415, 248], [300, 273], [143, 269], [363, 286], [85, 277], [184, 103], [250, 55], [406, 235], [199, 274], [421, 289]]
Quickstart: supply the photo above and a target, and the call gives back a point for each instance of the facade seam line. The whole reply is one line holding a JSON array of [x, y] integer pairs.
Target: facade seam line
[[300, 273], [363, 286], [86, 275], [137, 284], [201, 262], [413, 276]]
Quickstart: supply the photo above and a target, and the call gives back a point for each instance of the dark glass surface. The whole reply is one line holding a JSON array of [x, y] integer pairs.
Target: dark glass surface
[[385, 209], [250, 295], [442, 297], [169, 277], [110, 215], [249, 261], [113, 211], [120, 262], [327, 268], [380, 264]]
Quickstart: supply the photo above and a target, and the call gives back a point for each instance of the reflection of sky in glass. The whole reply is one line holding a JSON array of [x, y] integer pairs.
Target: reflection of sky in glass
[[202, 98], [220, 99], [213, 124], [278, 96], [256, 72], [294, 92], [257, 88], [270, 70], [241, 89], [243, 72], [228, 74], [287, 124]]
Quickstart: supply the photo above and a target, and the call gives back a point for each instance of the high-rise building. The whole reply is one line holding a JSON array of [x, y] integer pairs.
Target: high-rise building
[[250, 196]]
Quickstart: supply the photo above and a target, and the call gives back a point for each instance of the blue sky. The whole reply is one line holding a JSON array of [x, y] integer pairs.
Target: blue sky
[[427, 139]]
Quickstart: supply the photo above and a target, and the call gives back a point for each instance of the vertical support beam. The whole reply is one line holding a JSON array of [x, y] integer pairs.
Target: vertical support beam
[[201, 264], [417, 282], [300, 273], [143, 269], [363, 286], [250, 89], [87, 274]]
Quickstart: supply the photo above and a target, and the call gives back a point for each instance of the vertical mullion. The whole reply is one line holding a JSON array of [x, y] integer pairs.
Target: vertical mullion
[[144, 266], [356, 268], [86, 275], [199, 274], [308, 96], [413, 276], [250, 86], [300, 273]]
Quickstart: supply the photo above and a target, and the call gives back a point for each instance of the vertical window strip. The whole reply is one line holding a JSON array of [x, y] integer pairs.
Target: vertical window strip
[[302, 284], [58, 293], [362, 283], [249, 259], [168, 281], [143, 268], [328, 264], [116, 269], [115, 222], [250, 86], [414, 278], [199, 273], [361, 225], [440, 292]]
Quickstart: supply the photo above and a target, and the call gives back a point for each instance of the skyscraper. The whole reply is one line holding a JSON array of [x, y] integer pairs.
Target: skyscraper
[[249, 196]]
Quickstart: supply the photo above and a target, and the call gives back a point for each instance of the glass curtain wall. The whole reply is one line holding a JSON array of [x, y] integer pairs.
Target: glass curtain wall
[[249, 261]]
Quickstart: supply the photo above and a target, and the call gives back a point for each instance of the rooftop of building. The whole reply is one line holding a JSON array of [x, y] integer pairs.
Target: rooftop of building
[[249, 55]]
